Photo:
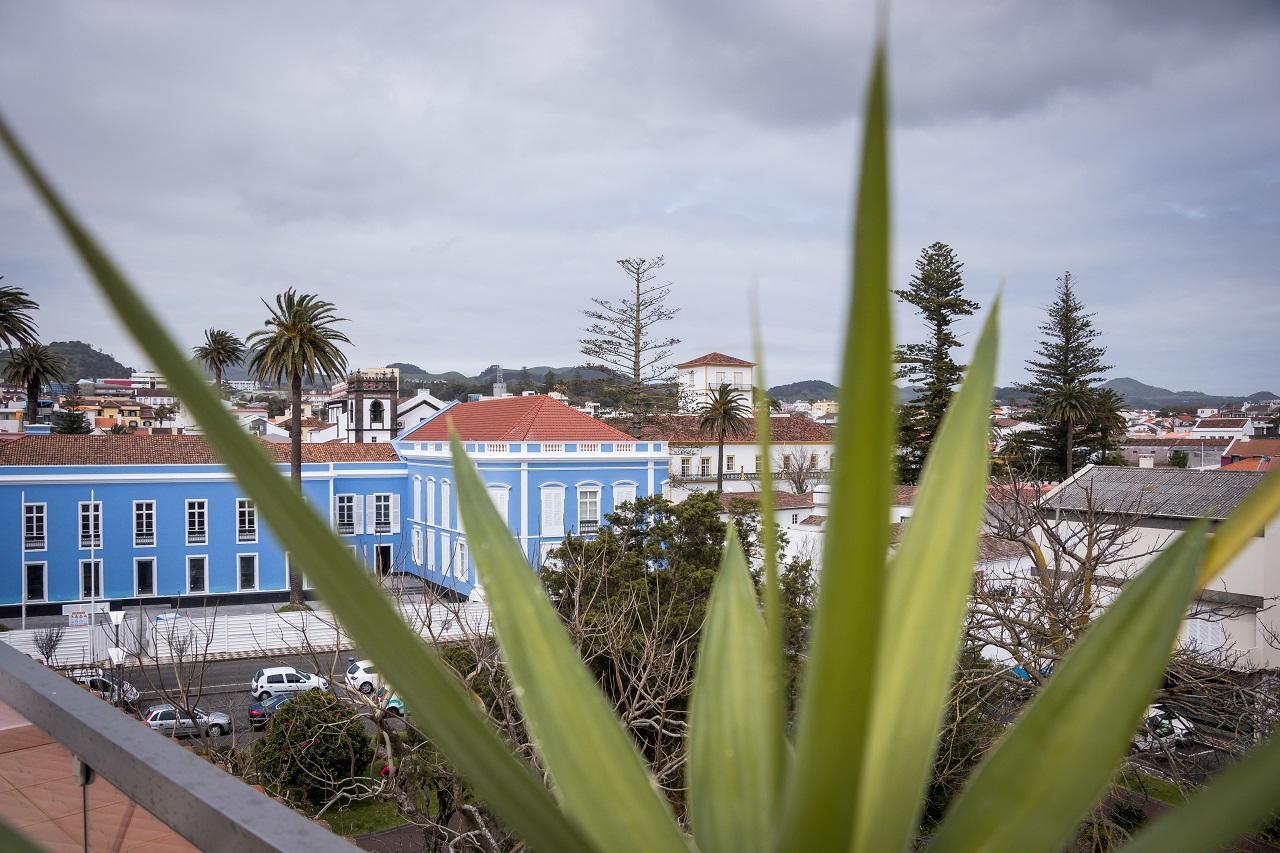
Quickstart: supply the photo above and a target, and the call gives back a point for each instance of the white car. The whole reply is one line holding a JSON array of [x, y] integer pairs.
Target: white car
[[276, 680], [362, 675], [1162, 727]]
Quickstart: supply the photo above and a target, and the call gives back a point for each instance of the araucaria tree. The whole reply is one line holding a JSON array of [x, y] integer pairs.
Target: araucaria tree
[[937, 292], [299, 341], [622, 340], [726, 412], [33, 367], [1065, 375], [220, 350]]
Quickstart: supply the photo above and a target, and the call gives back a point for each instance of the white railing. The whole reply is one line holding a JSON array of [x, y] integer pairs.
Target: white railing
[[170, 634]]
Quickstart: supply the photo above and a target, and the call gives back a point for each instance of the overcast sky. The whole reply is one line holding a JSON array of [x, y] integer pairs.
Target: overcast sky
[[459, 177]]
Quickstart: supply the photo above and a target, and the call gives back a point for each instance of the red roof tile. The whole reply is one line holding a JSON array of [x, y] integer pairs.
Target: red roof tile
[[781, 500], [142, 449], [1183, 441], [1253, 463], [684, 429], [1221, 423], [1253, 447], [533, 418], [717, 358]]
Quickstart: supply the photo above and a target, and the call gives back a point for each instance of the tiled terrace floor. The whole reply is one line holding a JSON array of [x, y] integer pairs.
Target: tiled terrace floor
[[39, 797]]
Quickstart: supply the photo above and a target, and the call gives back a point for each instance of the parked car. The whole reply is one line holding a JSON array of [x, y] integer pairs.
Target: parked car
[[284, 679], [362, 675], [104, 685], [260, 712], [1162, 726], [391, 701], [169, 720]]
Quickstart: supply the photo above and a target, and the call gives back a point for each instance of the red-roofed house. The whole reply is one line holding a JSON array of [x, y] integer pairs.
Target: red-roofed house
[[549, 469], [700, 377]]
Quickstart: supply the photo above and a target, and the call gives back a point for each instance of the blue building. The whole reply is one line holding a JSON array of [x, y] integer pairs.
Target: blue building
[[151, 517]]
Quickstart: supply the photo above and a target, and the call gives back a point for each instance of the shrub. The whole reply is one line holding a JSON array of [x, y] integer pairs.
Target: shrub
[[312, 746]]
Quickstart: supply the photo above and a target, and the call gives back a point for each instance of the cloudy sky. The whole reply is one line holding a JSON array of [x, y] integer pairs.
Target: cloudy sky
[[460, 177]]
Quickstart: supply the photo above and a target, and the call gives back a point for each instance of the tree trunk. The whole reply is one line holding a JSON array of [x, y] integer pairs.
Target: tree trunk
[[720, 464], [295, 471], [1071, 434], [217, 378], [33, 400]]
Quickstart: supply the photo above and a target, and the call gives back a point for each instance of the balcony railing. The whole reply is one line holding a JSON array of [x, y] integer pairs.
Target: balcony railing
[[247, 534], [197, 537], [346, 527], [140, 538], [34, 543], [205, 805]]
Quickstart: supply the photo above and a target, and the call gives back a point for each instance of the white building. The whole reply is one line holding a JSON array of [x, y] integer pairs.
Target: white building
[[365, 406], [699, 378], [1221, 428]]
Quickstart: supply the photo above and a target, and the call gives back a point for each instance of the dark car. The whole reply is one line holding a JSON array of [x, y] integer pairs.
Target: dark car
[[260, 712]]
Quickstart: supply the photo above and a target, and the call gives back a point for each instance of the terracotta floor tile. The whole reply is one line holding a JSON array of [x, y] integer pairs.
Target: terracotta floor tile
[[172, 843], [17, 811], [57, 798], [36, 765], [49, 837], [105, 822]]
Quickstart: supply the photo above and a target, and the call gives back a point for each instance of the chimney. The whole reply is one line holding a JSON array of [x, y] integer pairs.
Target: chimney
[[1147, 460], [821, 499]]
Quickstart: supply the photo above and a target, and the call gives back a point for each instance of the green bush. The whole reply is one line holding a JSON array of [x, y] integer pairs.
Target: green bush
[[312, 745]]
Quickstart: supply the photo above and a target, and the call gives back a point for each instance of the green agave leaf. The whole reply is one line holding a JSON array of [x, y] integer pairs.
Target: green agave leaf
[[1241, 797], [600, 779], [13, 841], [732, 777], [1032, 790], [775, 705], [449, 714], [822, 790], [1231, 537], [930, 577]]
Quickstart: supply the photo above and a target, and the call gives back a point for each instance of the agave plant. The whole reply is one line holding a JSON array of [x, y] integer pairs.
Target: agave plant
[[852, 771]]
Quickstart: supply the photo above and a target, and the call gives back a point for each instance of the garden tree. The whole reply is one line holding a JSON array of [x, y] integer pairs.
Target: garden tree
[[34, 366], [299, 341], [622, 338], [548, 382], [70, 422], [119, 429], [314, 748], [937, 292], [17, 328], [47, 641], [798, 466], [1178, 459], [724, 413], [165, 413], [1064, 377], [220, 350]]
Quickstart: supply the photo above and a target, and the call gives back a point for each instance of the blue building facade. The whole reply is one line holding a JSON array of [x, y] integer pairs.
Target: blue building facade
[[138, 518]]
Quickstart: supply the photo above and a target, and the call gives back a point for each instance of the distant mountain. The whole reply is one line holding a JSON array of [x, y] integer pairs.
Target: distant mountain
[[414, 373], [1140, 395], [807, 389], [85, 362]]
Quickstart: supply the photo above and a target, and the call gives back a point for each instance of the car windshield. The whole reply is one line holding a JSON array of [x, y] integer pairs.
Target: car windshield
[[354, 666], [258, 676], [276, 702]]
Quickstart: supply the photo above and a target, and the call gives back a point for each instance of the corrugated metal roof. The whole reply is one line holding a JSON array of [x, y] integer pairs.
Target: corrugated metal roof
[[1168, 492]]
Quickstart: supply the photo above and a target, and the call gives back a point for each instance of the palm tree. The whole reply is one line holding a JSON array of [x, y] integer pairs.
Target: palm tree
[[34, 365], [299, 340], [1067, 406], [220, 350], [725, 412], [16, 326], [1106, 420]]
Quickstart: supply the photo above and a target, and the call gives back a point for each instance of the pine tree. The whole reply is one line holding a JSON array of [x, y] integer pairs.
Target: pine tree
[[937, 292], [1065, 375]]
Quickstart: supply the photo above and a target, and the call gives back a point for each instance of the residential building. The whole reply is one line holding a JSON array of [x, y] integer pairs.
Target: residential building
[[1251, 454], [801, 453], [698, 379], [412, 411], [1237, 610], [1155, 451], [788, 508], [1221, 427], [365, 405], [549, 469]]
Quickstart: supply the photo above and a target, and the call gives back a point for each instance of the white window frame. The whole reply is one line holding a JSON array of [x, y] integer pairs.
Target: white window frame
[[187, 572], [556, 531], [417, 497], [729, 461], [416, 542], [431, 501], [29, 512], [704, 466], [625, 486], [44, 583], [257, 581], [141, 509], [154, 564], [583, 491], [245, 507], [686, 466], [382, 500], [352, 503], [501, 497], [99, 579], [461, 560], [446, 497], [201, 507], [430, 559], [94, 509]]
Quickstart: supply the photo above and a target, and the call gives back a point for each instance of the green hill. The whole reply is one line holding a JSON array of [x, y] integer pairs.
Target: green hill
[[85, 362]]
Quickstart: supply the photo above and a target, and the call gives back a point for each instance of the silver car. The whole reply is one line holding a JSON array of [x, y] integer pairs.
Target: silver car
[[169, 720]]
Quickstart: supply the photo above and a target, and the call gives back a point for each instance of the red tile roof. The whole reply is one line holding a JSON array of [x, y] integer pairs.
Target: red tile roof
[[717, 358], [1221, 423], [533, 418], [142, 449], [1252, 463], [683, 429], [781, 500], [1253, 447], [1183, 441]]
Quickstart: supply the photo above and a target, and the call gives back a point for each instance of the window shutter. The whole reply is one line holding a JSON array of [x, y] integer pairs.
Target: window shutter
[[624, 493], [357, 513], [395, 512], [333, 511], [553, 511], [499, 497]]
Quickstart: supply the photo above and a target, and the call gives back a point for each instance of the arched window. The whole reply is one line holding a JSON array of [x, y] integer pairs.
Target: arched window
[[417, 498], [444, 503], [431, 500], [377, 412]]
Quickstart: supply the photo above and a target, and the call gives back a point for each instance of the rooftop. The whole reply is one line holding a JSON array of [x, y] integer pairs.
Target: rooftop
[[716, 359], [1175, 441], [684, 429], [1253, 447], [1165, 492], [782, 500], [534, 418], [1221, 423], [140, 449], [1252, 463]]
